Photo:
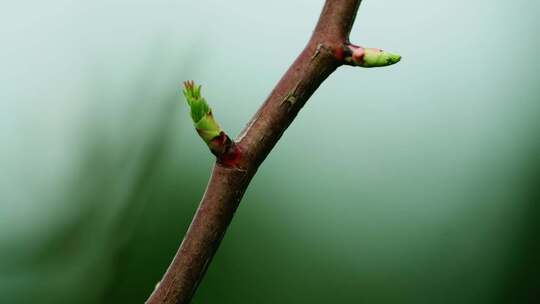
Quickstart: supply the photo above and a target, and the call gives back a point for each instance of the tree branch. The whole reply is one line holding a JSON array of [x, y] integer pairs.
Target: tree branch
[[237, 163]]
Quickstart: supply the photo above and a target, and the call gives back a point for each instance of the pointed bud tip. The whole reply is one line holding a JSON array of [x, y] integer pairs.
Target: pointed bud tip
[[191, 89], [188, 84], [395, 58]]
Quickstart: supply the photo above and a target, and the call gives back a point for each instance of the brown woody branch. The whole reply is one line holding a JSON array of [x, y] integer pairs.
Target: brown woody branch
[[229, 180]]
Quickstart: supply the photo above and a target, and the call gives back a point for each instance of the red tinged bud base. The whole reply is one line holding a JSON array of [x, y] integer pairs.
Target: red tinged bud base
[[225, 150], [339, 53], [358, 55], [232, 157], [350, 54]]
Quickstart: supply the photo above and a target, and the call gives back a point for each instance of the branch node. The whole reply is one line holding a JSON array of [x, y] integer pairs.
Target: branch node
[[291, 97], [317, 51]]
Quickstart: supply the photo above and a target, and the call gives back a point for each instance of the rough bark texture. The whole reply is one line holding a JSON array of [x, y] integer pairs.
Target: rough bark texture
[[230, 179]]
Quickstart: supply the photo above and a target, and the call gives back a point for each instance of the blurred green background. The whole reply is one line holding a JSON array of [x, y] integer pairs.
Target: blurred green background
[[417, 183]]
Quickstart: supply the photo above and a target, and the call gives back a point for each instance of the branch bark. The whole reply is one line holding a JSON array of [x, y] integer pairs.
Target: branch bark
[[327, 49]]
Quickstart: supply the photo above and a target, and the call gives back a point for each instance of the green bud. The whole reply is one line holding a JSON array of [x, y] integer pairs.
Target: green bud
[[379, 58], [201, 113], [370, 57]]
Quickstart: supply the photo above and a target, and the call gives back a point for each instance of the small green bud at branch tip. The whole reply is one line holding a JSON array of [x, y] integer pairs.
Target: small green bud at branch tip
[[201, 113], [367, 57], [216, 139]]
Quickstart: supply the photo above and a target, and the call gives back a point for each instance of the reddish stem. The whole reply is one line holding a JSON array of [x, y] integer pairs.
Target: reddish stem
[[237, 164]]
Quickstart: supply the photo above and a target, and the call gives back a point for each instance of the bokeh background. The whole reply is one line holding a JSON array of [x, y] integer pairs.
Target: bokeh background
[[417, 183]]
